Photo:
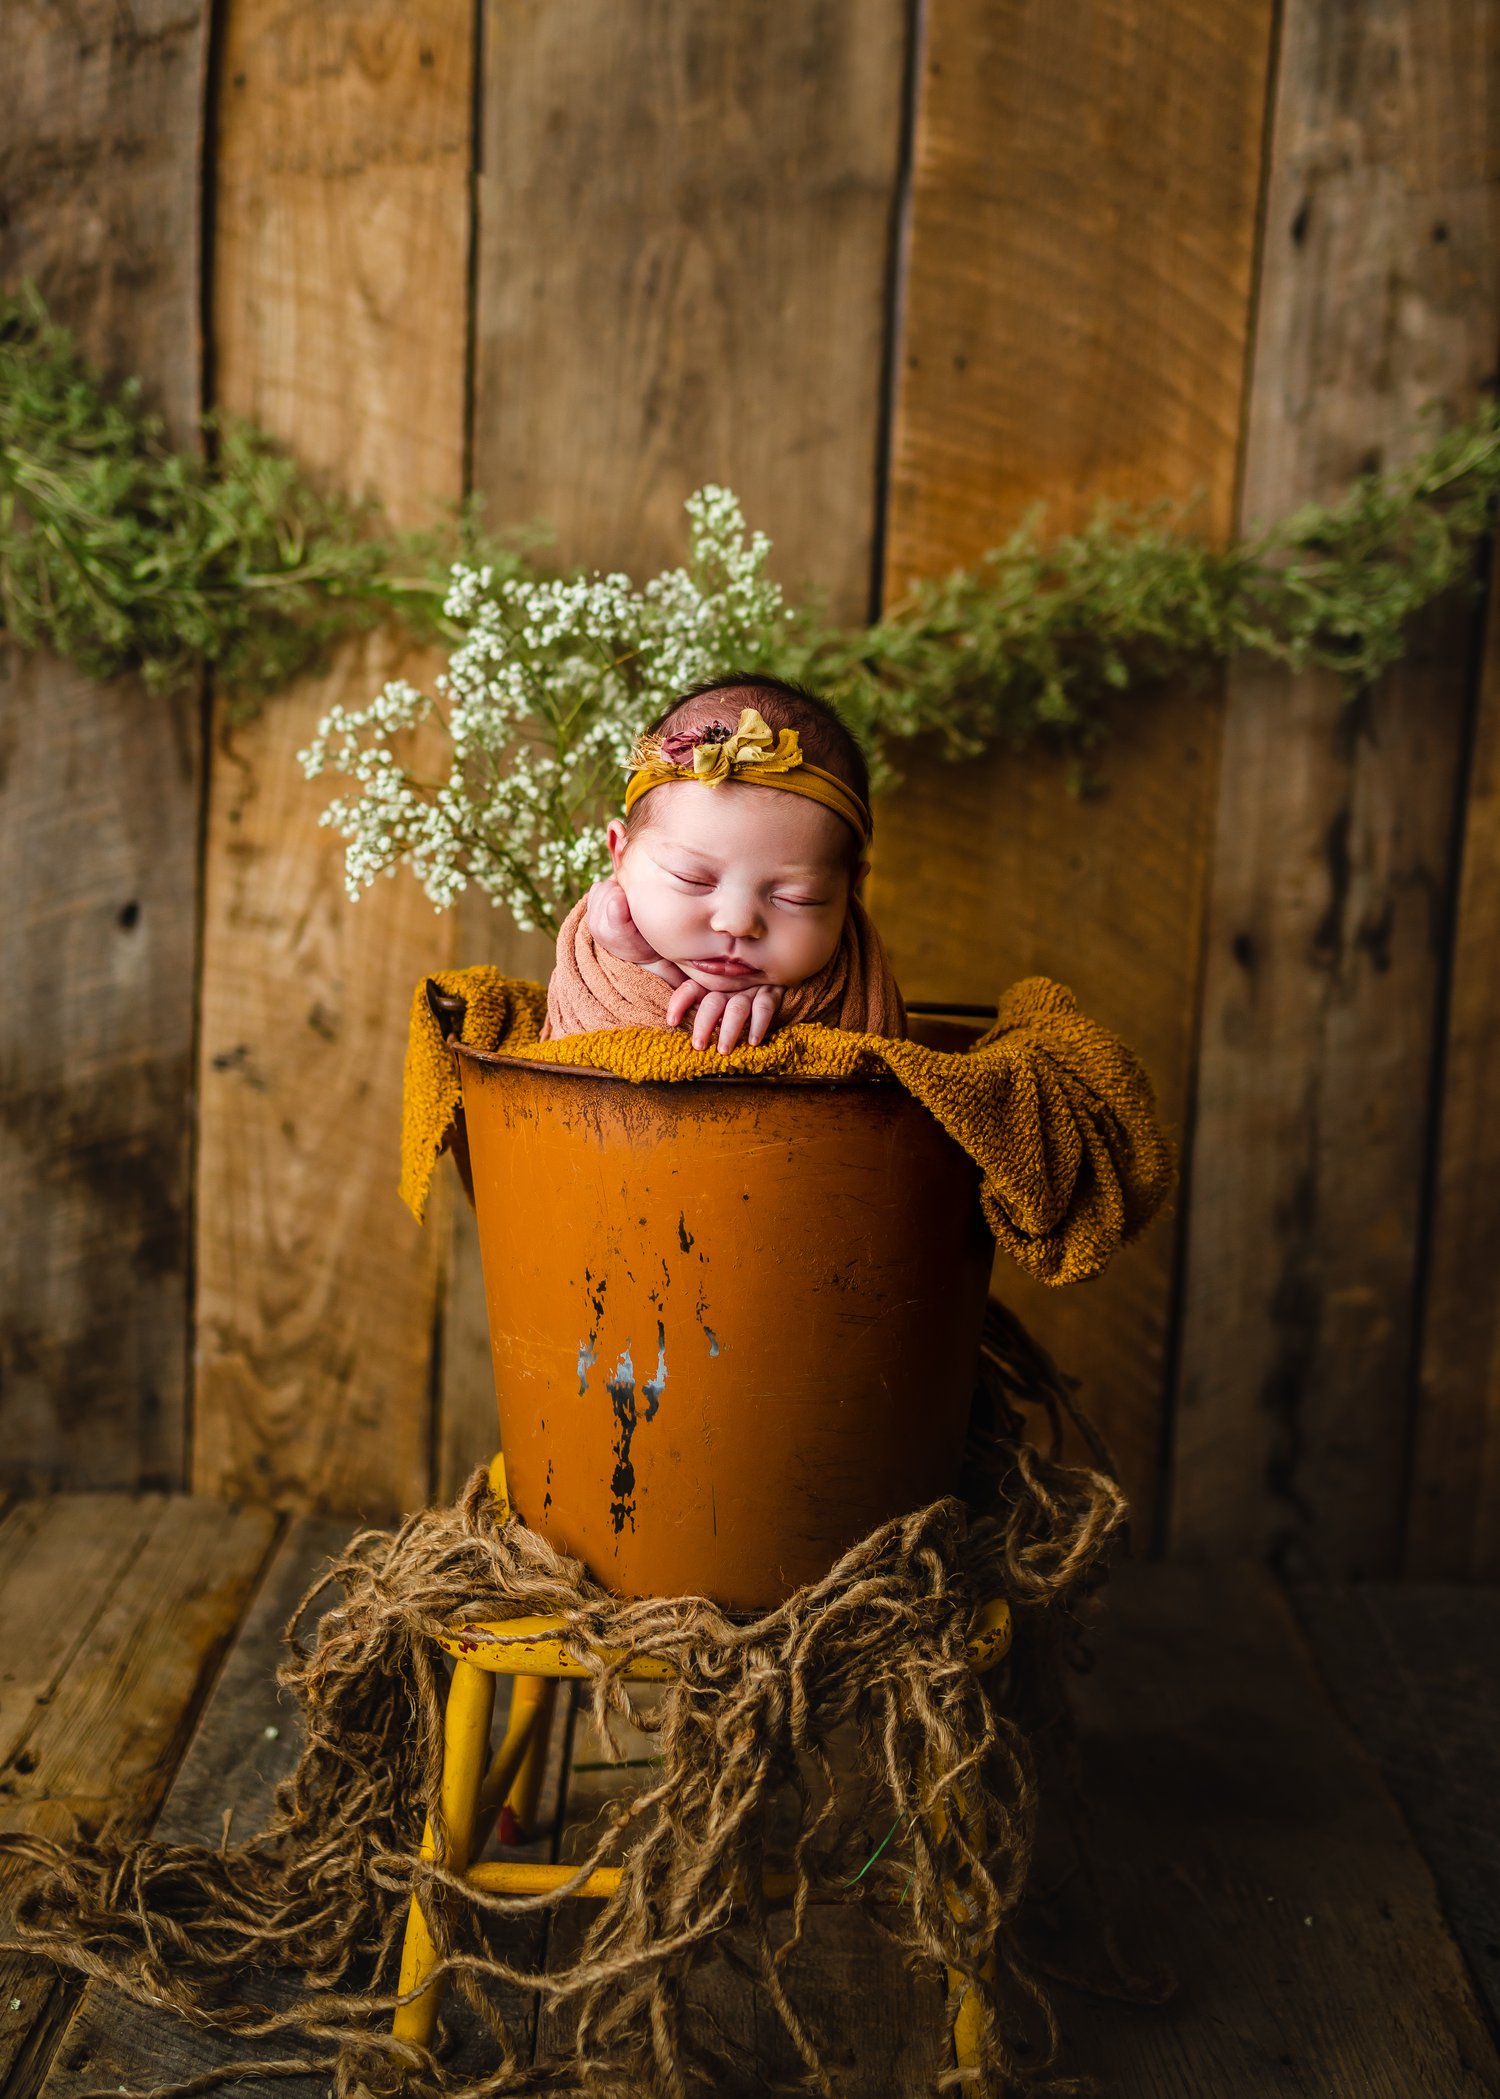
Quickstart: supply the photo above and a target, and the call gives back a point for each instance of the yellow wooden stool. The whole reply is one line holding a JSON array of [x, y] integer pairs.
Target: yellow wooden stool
[[476, 1788]]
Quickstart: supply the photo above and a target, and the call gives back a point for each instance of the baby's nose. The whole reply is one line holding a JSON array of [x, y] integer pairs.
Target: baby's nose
[[737, 917]]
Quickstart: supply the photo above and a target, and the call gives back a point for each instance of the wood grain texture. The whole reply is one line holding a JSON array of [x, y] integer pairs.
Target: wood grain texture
[[247, 1740], [1078, 267], [1411, 1666], [1247, 1844], [113, 1616], [245, 1743], [1379, 295], [1076, 313], [685, 221], [339, 312], [1453, 1513], [100, 179]]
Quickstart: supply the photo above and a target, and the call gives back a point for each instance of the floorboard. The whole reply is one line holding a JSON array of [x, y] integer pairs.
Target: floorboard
[[246, 1742], [115, 1611], [1245, 1837], [1414, 1668], [1248, 1843]]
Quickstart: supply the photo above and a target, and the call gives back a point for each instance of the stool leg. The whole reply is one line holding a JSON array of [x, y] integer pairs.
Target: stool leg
[[523, 1746], [518, 1816], [466, 1748], [966, 2021]]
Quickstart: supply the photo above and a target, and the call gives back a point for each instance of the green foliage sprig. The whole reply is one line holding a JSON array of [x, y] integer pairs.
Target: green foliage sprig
[[1046, 634], [119, 552]]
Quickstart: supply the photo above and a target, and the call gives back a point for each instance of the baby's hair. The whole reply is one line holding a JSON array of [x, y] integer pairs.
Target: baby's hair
[[824, 738]]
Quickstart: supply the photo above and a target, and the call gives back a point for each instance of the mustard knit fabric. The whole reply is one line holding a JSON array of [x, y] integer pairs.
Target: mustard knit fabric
[[1059, 1116]]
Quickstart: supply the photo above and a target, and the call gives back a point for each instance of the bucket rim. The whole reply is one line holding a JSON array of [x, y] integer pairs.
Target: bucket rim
[[498, 1060]]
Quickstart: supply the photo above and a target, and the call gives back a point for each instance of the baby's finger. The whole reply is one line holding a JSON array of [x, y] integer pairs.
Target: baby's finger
[[764, 1008], [709, 1013], [682, 1001], [736, 1013]]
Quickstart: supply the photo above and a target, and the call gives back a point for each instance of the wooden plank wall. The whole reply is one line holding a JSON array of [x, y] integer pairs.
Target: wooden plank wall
[[340, 293], [894, 272], [100, 159], [1455, 1490], [1333, 856], [1076, 313]]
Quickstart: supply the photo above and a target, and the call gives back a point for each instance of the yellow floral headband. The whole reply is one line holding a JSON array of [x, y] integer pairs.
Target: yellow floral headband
[[752, 752]]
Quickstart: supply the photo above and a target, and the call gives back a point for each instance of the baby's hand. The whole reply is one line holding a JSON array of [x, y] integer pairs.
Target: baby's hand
[[613, 927], [731, 1012]]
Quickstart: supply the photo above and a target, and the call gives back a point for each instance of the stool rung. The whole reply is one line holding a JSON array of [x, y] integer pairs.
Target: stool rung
[[520, 1877], [537, 1647]]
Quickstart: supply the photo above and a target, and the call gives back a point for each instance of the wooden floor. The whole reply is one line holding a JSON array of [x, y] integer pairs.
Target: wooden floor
[[1297, 1807]]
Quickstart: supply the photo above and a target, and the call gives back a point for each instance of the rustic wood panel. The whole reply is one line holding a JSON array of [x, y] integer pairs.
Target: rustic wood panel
[[1412, 1668], [1453, 1519], [1380, 293], [247, 1740], [1247, 1844], [685, 223], [113, 1615], [100, 179], [1230, 1806], [1076, 314], [342, 230], [245, 1743]]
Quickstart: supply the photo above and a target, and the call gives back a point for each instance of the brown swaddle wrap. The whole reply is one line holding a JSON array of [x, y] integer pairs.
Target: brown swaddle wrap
[[592, 989]]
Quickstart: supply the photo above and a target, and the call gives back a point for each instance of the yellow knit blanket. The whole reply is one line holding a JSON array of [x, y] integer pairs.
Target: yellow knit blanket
[[1058, 1114]]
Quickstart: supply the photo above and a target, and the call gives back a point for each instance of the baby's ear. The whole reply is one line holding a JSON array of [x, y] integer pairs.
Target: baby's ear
[[858, 882], [616, 837]]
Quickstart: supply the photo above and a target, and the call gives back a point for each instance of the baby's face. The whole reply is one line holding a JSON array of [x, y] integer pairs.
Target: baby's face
[[737, 885]]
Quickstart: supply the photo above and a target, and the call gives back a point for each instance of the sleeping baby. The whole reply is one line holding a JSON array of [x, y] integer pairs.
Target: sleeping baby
[[734, 899]]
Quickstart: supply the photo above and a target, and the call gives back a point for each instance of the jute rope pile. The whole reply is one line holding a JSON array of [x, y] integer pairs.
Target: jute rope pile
[[875, 1652]]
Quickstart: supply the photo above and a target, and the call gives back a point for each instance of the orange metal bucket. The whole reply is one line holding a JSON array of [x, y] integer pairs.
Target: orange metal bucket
[[734, 1323]]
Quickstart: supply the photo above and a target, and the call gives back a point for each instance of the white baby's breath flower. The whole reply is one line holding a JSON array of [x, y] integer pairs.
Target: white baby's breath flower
[[541, 700]]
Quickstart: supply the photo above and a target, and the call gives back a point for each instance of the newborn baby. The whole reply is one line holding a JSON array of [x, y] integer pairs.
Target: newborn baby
[[737, 864]]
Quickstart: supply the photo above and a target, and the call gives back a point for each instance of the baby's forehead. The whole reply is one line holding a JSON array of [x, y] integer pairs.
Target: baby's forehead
[[733, 820]]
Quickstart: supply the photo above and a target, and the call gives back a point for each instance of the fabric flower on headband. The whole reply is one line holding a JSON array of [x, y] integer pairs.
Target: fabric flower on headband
[[717, 752], [750, 752]]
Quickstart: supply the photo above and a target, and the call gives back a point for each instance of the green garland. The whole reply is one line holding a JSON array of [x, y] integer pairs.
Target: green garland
[[120, 553]]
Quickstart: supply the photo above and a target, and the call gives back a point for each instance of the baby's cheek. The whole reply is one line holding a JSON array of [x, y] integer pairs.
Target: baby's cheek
[[657, 918], [821, 944]]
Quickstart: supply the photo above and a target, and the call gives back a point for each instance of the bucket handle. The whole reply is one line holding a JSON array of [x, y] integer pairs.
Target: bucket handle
[[447, 1009]]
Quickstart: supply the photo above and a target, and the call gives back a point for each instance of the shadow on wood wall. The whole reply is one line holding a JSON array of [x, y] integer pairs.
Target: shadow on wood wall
[[893, 274]]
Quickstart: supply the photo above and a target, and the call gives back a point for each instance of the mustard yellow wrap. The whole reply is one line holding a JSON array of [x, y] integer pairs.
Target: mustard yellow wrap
[[1058, 1114]]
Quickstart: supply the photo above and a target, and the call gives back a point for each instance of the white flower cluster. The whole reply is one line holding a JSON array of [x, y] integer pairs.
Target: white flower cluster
[[550, 684]]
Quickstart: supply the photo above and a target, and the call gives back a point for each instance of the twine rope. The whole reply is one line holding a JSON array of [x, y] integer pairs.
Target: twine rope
[[876, 1651]]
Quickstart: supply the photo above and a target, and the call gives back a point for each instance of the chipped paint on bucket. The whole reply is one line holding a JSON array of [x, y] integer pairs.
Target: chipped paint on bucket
[[810, 1257]]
